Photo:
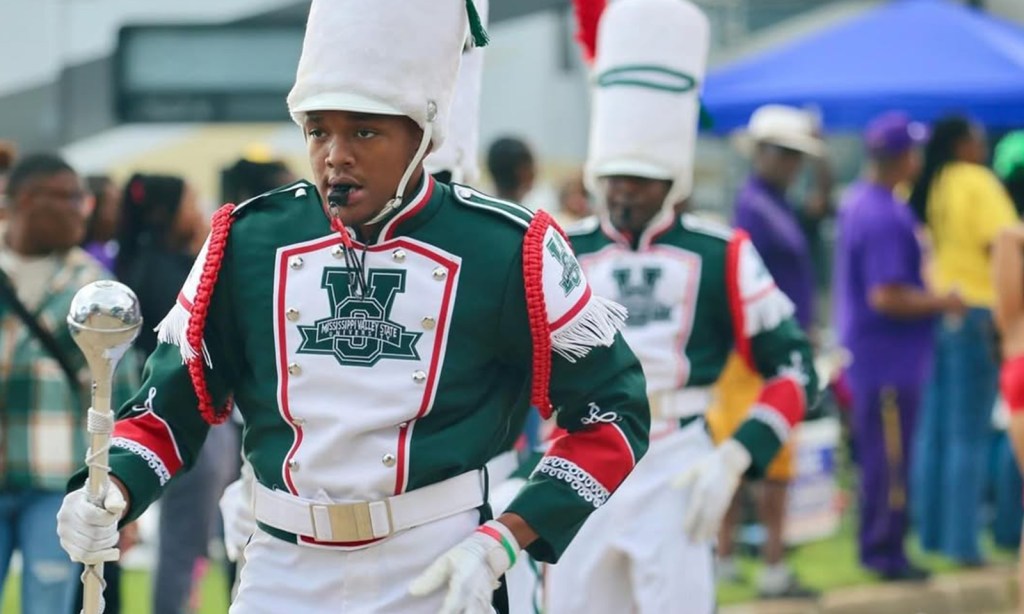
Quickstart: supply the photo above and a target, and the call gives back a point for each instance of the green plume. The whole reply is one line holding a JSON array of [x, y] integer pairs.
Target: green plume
[[476, 26]]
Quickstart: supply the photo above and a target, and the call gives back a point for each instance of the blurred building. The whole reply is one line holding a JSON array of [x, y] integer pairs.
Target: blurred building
[[124, 83]]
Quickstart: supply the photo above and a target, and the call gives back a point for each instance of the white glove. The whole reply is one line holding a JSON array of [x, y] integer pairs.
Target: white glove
[[711, 483], [88, 533], [471, 570]]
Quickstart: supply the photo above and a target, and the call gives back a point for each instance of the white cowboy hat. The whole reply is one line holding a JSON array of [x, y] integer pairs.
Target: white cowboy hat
[[783, 126]]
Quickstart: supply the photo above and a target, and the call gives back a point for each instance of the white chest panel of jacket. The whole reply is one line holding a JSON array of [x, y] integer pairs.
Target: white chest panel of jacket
[[658, 286], [357, 366]]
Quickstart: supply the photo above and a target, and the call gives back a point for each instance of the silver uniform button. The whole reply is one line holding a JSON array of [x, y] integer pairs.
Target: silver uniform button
[[398, 255], [419, 377], [428, 323], [294, 368], [338, 251], [388, 460], [403, 425], [464, 193], [440, 273], [297, 421], [292, 314], [293, 465], [295, 262]]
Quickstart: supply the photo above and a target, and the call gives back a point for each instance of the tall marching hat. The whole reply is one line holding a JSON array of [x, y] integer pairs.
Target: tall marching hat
[[387, 57], [648, 68], [458, 154]]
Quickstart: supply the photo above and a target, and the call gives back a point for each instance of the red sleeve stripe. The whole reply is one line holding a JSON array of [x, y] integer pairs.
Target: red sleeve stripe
[[149, 433], [786, 396], [601, 452], [732, 285]]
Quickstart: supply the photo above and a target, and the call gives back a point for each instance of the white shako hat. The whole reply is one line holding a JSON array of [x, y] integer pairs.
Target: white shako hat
[[389, 57], [648, 71], [459, 154]]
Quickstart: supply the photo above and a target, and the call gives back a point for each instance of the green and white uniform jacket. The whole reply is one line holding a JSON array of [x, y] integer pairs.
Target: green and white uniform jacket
[[357, 398], [695, 291]]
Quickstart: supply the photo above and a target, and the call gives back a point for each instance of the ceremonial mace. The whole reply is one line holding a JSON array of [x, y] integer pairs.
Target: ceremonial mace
[[104, 321]]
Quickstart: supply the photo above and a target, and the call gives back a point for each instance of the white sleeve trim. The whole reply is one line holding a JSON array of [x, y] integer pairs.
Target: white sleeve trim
[[773, 420], [151, 457], [588, 488]]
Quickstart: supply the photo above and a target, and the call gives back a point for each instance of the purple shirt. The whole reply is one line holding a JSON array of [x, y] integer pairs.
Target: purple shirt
[[774, 230], [105, 253], [877, 246]]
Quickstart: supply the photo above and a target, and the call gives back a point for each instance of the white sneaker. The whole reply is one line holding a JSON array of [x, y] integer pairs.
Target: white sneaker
[[779, 582], [727, 571]]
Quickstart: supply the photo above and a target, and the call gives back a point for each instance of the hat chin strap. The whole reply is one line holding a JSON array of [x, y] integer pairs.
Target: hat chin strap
[[675, 194], [677, 191], [396, 202]]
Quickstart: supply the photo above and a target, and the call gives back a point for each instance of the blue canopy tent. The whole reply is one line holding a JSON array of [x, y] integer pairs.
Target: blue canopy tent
[[925, 57]]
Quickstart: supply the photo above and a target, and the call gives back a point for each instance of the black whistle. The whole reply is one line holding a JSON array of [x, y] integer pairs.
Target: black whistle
[[337, 198]]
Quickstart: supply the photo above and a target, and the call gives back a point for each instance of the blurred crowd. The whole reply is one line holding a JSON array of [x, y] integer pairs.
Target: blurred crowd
[[913, 304]]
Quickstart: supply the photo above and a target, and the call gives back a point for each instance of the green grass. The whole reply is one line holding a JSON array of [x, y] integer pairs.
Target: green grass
[[825, 565], [832, 563], [136, 592]]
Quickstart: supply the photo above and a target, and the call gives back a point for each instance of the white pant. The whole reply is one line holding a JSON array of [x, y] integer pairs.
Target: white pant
[[280, 577], [632, 554]]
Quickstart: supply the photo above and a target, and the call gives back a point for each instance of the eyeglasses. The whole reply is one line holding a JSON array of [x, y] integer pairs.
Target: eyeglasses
[[77, 198]]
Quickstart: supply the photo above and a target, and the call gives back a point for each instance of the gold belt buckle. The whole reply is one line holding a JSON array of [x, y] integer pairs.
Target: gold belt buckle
[[654, 402], [352, 522]]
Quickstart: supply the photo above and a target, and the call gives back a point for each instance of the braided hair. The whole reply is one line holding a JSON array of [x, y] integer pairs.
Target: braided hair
[[97, 185], [947, 134], [149, 208]]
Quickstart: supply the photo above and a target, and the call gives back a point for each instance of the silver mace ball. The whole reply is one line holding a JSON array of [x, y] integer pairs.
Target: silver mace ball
[[104, 320]]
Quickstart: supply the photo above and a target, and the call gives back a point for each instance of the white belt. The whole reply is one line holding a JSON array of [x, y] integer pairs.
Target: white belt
[[680, 403], [502, 466], [367, 520]]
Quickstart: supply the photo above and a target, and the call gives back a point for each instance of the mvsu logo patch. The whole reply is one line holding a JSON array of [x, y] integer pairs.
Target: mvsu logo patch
[[360, 333], [571, 276], [637, 296]]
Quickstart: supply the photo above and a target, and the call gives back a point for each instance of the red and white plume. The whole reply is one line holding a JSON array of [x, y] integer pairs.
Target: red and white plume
[[588, 14]]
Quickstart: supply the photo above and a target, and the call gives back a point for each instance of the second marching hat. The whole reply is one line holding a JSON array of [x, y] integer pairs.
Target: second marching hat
[[458, 154], [387, 57], [648, 70]]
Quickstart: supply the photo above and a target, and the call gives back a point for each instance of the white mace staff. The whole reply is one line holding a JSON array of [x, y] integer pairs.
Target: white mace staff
[[104, 321]]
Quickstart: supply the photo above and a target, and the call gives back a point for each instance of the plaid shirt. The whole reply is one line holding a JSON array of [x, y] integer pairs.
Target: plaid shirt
[[42, 420]]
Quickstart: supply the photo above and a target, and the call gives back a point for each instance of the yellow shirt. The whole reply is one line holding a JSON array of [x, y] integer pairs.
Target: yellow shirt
[[967, 207]]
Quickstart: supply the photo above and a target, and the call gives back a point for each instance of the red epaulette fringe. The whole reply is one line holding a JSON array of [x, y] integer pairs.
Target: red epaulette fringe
[[220, 226], [537, 312]]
